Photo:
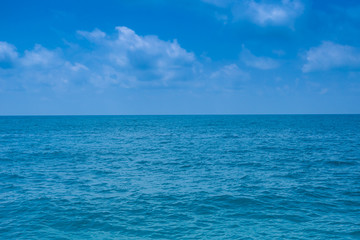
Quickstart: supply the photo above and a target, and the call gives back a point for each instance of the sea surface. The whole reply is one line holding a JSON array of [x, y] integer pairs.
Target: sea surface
[[180, 177]]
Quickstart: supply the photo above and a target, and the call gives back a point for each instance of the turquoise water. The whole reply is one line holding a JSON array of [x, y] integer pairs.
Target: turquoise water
[[180, 177]]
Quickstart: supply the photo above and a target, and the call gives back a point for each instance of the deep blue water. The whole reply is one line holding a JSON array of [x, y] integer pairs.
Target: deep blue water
[[180, 177]]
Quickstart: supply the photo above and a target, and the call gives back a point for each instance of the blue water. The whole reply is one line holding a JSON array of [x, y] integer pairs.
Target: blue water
[[180, 177]]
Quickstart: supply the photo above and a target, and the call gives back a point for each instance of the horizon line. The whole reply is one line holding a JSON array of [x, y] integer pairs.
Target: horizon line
[[182, 114]]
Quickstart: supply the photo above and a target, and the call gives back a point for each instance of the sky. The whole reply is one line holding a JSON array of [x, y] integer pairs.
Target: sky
[[179, 57]]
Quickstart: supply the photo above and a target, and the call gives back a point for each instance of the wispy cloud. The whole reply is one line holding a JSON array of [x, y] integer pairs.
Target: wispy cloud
[[230, 72], [330, 55], [220, 3], [94, 36], [228, 77], [263, 63]]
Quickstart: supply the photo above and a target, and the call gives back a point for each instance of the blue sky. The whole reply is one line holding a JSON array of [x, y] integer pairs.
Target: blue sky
[[179, 57]]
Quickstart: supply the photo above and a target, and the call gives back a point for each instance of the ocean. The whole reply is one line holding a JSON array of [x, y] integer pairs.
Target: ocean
[[180, 177]]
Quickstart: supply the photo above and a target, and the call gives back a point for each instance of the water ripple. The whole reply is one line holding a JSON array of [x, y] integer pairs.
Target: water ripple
[[180, 177]]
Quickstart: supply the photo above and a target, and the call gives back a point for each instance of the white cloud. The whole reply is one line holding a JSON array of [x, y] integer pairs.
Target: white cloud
[[7, 52], [40, 67], [272, 14], [125, 59], [263, 14], [263, 63], [130, 59], [41, 56], [331, 55]]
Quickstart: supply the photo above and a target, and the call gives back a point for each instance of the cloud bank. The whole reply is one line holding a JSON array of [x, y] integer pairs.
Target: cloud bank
[[125, 60]]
